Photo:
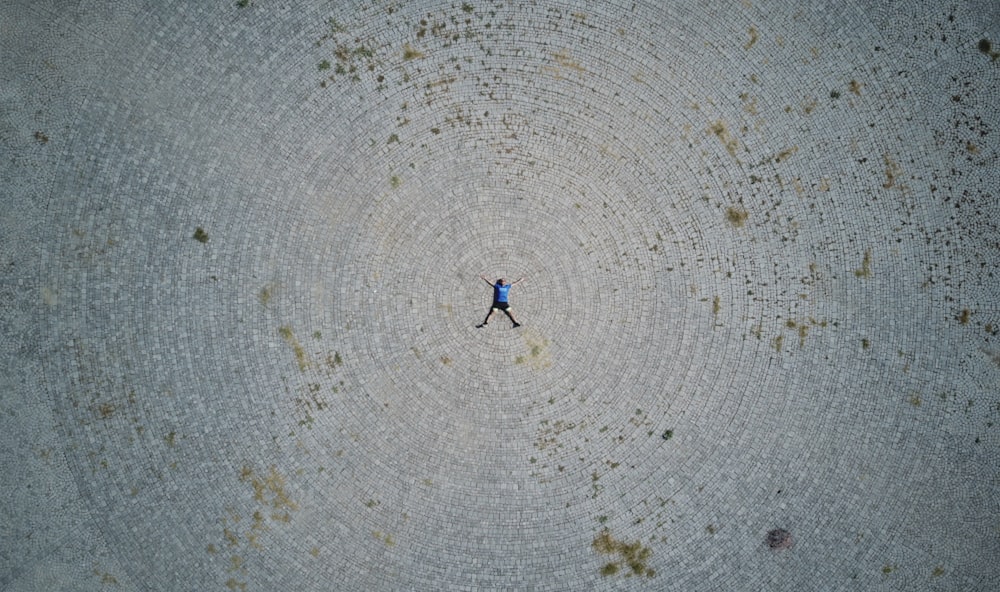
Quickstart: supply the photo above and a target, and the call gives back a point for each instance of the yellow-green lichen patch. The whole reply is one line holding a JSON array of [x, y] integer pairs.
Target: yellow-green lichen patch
[[749, 104], [549, 431], [631, 555], [809, 105], [241, 540], [266, 293], [892, 171], [754, 35], [963, 317], [200, 235], [537, 356], [803, 331], [410, 53], [785, 154], [736, 216], [334, 360], [722, 132], [563, 59], [311, 401], [385, 538], [777, 342], [802, 327], [105, 410], [301, 357], [105, 577], [49, 296], [352, 55], [269, 489], [548, 443], [865, 271]]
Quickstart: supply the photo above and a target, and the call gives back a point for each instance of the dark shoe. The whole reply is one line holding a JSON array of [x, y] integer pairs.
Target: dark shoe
[[480, 326], [516, 325]]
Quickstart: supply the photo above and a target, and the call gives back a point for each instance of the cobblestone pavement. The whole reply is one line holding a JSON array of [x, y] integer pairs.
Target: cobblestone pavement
[[241, 244]]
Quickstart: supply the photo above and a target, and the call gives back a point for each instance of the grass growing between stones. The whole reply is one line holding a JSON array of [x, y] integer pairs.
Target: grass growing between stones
[[631, 555], [273, 506]]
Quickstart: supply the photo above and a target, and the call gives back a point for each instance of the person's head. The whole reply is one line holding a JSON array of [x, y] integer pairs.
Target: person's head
[[501, 281]]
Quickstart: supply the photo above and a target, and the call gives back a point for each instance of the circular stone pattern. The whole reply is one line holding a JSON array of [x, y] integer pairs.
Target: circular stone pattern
[[242, 252]]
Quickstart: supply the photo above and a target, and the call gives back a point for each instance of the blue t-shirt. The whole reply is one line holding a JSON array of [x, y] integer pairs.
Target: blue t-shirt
[[500, 292]]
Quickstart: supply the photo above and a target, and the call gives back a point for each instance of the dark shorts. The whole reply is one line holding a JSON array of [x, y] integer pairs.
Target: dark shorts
[[501, 305]]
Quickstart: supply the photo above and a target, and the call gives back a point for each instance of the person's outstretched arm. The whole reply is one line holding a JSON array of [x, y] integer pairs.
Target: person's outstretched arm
[[518, 281], [485, 280]]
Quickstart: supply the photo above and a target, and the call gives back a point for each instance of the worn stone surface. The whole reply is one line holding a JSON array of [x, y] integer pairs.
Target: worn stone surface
[[241, 243]]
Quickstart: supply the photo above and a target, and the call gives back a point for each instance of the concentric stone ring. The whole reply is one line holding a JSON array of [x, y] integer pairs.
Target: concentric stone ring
[[242, 242]]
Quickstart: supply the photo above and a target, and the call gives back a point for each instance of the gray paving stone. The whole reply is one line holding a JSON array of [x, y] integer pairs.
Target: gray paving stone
[[240, 256]]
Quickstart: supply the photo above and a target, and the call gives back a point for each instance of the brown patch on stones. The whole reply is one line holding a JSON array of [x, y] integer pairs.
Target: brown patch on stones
[[779, 538]]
